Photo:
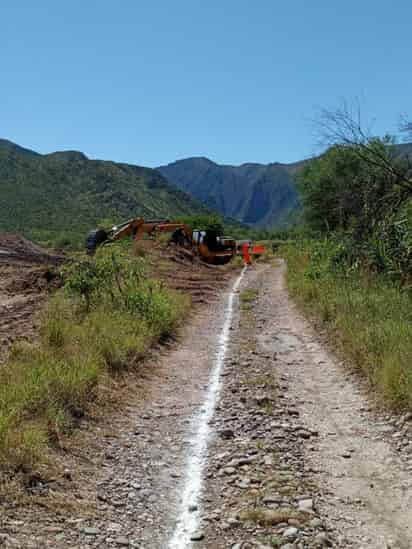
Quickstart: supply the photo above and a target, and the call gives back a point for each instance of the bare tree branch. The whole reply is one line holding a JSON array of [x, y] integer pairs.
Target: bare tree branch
[[343, 127], [405, 127]]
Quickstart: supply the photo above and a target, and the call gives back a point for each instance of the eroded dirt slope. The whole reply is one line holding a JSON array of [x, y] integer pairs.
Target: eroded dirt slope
[[181, 270], [26, 273]]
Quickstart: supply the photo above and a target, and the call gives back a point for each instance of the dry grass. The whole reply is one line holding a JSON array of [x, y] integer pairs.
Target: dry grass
[[369, 317], [267, 381]]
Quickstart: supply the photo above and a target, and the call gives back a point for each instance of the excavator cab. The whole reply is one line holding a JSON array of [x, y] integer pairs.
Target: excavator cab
[[214, 248], [180, 237]]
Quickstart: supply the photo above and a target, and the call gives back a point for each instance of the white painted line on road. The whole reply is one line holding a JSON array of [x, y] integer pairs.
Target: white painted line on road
[[188, 516]]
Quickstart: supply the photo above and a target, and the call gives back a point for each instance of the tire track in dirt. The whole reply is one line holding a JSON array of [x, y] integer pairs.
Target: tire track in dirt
[[188, 519]]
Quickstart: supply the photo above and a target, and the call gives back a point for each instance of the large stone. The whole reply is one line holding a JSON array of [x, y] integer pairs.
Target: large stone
[[90, 531], [290, 533], [227, 434], [322, 540], [306, 504], [122, 541]]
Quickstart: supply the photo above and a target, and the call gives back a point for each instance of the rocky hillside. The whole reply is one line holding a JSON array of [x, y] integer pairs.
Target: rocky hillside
[[256, 194], [62, 195]]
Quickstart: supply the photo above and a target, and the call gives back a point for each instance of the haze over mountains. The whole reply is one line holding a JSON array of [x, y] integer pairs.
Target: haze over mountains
[[256, 194]]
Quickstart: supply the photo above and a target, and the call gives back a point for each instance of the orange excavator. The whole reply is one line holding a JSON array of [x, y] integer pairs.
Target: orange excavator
[[207, 244]]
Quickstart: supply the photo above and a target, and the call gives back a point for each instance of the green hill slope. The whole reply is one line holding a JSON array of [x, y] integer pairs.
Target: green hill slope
[[257, 194], [62, 195]]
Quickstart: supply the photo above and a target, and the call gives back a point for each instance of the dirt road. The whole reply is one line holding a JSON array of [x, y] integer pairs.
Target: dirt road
[[245, 433]]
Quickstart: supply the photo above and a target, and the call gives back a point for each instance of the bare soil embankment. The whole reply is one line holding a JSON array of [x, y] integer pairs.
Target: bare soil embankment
[[182, 271], [26, 273]]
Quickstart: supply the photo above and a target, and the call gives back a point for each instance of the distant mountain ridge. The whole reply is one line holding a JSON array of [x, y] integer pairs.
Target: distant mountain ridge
[[64, 193], [262, 195], [57, 195]]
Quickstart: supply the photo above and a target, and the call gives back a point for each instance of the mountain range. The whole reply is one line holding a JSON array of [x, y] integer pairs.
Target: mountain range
[[56, 196], [261, 195], [60, 196]]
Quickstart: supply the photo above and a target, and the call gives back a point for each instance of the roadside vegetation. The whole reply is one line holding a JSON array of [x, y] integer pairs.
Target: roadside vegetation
[[101, 323], [369, 316], [352, 265]]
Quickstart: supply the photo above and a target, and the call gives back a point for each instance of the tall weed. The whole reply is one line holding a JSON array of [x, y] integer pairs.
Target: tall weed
[[369, 315]]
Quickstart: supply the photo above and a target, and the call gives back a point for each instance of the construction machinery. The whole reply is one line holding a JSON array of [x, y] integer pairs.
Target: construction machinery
[[212, 247], [207, 244]]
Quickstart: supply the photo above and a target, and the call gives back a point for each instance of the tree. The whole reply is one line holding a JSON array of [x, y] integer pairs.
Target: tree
[[204, 221], [361, 186], [406, 127], [344, 127], [340, 191], [329, 190]]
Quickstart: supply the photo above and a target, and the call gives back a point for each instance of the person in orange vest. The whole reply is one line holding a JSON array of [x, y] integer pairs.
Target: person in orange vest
[[245, 251]]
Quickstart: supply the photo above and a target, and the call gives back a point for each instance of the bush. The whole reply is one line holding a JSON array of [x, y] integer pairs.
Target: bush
[[102, 322], [347, 195]]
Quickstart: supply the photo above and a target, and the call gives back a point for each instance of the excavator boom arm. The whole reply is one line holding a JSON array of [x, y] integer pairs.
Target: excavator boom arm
[[211, 247]]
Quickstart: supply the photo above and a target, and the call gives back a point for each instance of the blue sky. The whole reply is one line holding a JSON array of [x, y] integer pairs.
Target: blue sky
[[235, 80]]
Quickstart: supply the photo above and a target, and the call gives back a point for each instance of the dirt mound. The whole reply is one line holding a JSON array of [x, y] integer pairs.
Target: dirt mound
[[35, 280], [27, 272], [179, 269], [16, 248]]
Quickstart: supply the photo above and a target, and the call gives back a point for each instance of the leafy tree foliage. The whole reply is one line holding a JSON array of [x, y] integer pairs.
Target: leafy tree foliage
[[362, 192]]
